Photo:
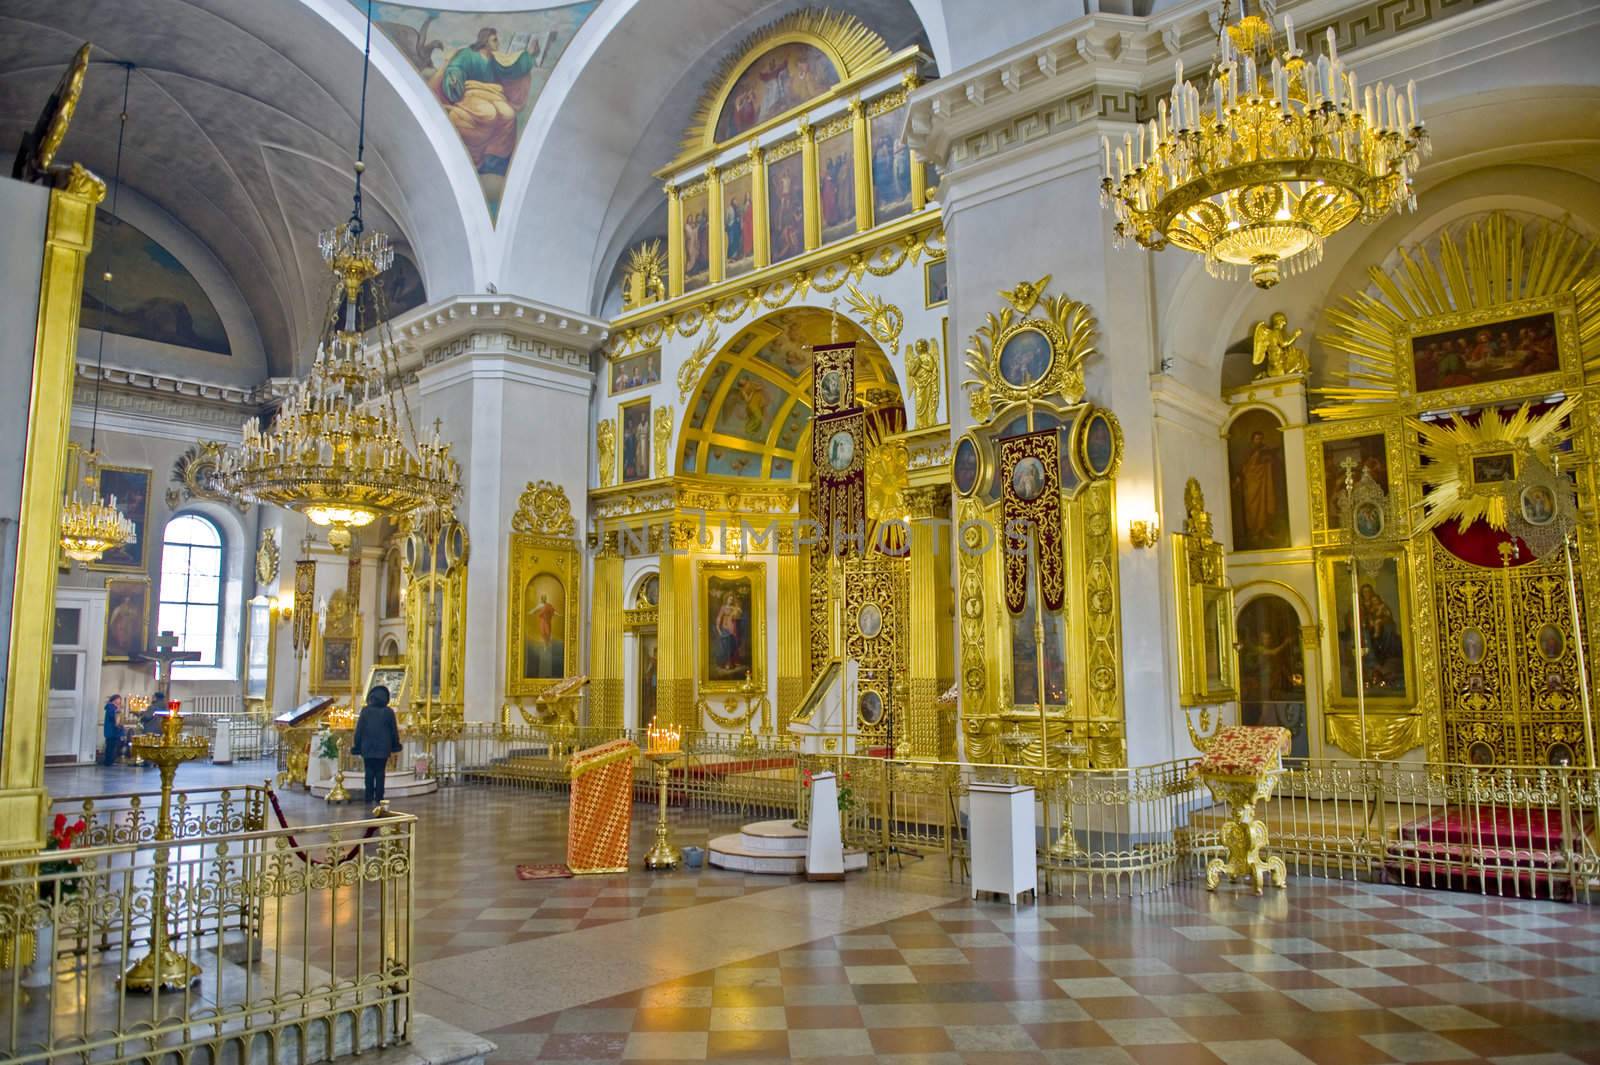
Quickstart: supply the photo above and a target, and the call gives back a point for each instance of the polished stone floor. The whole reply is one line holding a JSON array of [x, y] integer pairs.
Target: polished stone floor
[[898, 967]]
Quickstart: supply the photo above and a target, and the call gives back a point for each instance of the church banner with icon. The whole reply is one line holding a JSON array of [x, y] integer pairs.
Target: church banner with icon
[[833, 377], [1031, 464], [839, 482]]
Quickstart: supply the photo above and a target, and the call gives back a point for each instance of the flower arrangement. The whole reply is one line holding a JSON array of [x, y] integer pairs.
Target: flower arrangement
[[847, 795], [328, 746], [63, 834]]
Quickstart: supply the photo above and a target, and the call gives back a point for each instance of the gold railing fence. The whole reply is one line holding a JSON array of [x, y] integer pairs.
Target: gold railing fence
[[1513, 831], [303, 939], [132, 817]]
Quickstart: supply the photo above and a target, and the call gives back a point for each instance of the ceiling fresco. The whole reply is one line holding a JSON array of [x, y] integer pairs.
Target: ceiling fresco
[[486, 69], [752, 414]]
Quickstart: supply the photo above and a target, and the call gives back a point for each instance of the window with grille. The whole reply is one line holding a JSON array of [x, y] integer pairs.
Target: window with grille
[[191, 586]]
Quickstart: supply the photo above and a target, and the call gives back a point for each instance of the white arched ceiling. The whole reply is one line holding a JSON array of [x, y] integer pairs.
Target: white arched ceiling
[[581, 185], [242, 129]]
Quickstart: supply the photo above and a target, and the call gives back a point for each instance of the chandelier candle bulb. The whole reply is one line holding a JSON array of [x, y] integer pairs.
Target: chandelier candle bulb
[[1288, 33]]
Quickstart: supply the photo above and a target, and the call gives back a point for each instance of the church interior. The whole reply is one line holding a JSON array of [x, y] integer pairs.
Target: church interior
[[894, 531]]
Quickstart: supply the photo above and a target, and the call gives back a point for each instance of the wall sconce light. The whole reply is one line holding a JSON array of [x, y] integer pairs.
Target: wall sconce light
[[282, 608], [1144, 532]]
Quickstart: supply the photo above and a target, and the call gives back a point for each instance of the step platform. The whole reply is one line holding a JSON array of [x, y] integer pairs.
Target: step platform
[[397, 784], [775, 847]]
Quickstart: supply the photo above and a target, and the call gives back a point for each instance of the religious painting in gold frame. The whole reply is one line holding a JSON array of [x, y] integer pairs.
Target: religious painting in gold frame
[[394, 678], [732, 623], [127, 618], [696, 237], [336, 648], [1208, 668], [130, 485], [542, 627], [936, 284], [1388, 671], [436, 644], [1508, 351], [1375, 445], [635, 445]]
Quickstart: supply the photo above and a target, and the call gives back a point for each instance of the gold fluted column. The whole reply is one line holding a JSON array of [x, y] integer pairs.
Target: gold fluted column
[[812, 212], [862, 147], [675, 630], [919, 173], [717, 245], [69, 230], [674, 243], [605, 637], [794, 612], [929, 507], [758, 206]]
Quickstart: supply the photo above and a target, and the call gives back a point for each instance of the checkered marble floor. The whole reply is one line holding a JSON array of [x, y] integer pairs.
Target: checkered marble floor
[[1326, 973]]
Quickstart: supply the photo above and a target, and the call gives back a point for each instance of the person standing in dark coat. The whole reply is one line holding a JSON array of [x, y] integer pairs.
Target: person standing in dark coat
[[377, 737], [113, 729]]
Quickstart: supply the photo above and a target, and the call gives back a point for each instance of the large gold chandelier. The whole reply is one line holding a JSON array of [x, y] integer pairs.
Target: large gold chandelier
[[1279, 154], [337, 452]]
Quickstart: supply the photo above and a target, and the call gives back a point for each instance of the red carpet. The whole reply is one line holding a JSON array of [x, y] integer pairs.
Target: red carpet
[[552, 871], [1493, 850]]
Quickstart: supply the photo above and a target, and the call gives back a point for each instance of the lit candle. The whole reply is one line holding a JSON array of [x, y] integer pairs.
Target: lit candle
[[1288, 32], [1105, 150], [1333, 45], [1411, 101]]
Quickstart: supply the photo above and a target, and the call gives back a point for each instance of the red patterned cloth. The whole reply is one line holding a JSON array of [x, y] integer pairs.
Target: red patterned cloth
[[1245, 751], [602, 807]]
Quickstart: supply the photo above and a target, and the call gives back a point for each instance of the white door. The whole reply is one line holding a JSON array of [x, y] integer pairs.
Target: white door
[[74, 713]]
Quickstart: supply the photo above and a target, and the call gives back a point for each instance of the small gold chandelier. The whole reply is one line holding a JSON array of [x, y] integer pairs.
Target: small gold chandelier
[[336, 451], [92, 526], [1275, 158]]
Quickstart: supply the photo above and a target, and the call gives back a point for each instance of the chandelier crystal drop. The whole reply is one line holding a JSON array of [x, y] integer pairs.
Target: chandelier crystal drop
[[1279, 153], [92, 526]]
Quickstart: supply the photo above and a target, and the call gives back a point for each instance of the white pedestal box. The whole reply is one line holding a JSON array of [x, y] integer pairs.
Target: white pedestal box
[[1001, 830], [222, 743], [824, 843]]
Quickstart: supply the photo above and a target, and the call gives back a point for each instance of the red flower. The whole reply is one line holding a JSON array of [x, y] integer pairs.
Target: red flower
[[61, 822]]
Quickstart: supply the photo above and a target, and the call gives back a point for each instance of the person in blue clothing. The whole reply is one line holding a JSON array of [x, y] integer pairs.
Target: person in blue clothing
[[113, 729], [377, 737]]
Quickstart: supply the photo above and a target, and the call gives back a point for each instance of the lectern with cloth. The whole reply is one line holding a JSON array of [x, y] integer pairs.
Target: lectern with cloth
[[1241, 765], [602, 807]]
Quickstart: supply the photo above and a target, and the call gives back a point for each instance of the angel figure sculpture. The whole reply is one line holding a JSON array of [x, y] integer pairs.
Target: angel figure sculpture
[[1275, 346]]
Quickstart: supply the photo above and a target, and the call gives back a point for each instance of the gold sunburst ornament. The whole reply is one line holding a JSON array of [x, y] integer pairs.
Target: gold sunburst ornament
[[1278, 154], [1470, 466]]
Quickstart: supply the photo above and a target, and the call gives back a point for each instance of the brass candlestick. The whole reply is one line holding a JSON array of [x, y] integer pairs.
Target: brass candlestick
[[663, 855], [338, 792], [1066, 844], [163, 966]]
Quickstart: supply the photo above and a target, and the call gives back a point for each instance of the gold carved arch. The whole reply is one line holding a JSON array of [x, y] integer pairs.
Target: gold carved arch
[[849, 44], [750, 405]]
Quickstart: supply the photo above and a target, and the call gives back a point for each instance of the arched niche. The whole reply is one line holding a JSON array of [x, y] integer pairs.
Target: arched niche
[[1273, 680]]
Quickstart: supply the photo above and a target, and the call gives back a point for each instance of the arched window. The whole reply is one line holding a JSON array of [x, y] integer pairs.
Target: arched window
[[191, 586]]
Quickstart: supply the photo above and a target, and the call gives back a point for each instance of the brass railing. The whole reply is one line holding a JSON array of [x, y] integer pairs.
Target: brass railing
[[130, 817], [302, 942], [1519, 831]]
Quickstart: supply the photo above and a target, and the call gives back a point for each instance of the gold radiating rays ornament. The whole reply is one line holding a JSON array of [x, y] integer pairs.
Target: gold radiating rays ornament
[[1471, 468], [1492, 261]]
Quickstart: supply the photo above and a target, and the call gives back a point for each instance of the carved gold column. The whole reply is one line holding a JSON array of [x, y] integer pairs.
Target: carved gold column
[[927, 506], [674, 243], [862, 148], [676, 630], [919, 173], [69, 231], [808, 179], [793, 619], [605, 638], [758, 205], [718, 243]]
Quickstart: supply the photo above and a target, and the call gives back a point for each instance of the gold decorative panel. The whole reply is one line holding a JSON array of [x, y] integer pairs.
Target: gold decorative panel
[[877, 634], [544, 608]]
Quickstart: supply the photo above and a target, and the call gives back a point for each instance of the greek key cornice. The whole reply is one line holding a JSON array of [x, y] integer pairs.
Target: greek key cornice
[[1114, 67]]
